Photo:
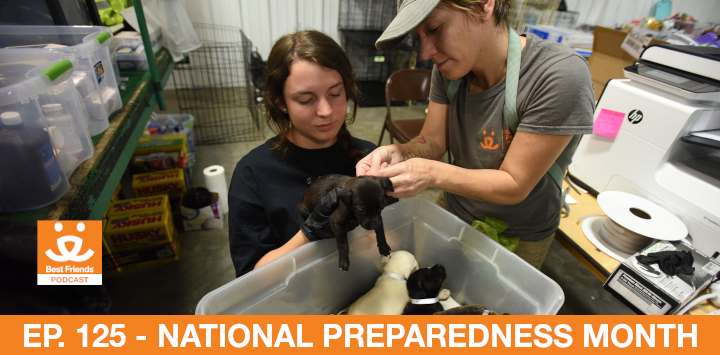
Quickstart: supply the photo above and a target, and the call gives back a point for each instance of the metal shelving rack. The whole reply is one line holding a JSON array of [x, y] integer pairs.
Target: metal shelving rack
[[94, 182]]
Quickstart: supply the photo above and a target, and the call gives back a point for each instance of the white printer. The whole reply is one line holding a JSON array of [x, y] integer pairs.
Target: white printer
[[668, 147]]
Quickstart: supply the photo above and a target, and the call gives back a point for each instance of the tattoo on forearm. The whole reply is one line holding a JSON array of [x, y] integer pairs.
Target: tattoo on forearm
[[422, 152], [418, 154]]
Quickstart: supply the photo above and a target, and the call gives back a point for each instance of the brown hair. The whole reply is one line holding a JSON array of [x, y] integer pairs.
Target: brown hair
[[316, 47], [474, 9]]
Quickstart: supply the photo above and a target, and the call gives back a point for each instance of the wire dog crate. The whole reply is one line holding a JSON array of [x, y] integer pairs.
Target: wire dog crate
[[567, 19], [214, 84], [366, 15], [367, 62], [532, 12]]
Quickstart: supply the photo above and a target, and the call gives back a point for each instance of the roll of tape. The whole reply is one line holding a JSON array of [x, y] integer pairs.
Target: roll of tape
[[641, 216]]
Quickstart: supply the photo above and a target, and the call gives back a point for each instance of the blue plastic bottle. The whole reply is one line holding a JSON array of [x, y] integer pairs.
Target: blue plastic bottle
[[30, 173]]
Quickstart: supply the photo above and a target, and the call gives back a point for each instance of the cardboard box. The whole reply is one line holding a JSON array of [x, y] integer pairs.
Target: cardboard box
[[133, 39], [138, 231], [161, 143], [139, 205], [651, 291], [144, 255], [608, 60], [206, 218], [572, 38], [131, 58], [170, 182], [158, 161]]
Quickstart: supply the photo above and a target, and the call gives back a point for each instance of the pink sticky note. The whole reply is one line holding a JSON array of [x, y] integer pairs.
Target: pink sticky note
[[608, 123]]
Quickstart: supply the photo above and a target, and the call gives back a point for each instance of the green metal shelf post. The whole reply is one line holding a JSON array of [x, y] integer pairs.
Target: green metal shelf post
[[156, 80]]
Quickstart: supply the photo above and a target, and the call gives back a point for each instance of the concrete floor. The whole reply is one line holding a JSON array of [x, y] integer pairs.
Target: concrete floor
[[204, 260]]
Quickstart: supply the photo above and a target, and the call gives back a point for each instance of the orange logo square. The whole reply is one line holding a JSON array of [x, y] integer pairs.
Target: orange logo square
[[69, 253]]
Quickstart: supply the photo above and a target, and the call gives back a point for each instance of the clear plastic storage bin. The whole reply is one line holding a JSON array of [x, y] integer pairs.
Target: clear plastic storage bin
[[308, 280], [94, 75], [43, 136], [182, 123]]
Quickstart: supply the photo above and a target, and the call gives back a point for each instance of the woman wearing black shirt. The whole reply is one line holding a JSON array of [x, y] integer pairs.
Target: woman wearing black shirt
[[310, 97]]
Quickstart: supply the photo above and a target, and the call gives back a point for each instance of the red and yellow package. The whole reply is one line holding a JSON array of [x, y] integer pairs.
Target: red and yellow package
[[170, 182], [139, 230], [139, 205]]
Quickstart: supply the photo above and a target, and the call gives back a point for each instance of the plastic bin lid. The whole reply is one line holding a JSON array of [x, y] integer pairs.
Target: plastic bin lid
[[82, 41], [25, 73]]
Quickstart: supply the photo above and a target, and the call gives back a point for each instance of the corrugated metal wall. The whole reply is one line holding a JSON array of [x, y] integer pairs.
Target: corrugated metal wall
[[264, 21]]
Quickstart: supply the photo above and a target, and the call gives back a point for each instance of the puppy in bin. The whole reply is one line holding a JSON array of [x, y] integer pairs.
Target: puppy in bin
[[390, 294], [424, 289], [360, 200]]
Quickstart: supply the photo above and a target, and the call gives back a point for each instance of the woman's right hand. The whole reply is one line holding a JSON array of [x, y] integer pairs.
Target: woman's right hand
[[379, 158]]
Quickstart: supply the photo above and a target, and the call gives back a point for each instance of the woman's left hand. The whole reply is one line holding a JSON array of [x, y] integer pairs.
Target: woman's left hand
[[408, 178]]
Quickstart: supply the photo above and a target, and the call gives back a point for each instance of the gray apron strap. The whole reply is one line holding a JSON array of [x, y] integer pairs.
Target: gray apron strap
[[512, 77]]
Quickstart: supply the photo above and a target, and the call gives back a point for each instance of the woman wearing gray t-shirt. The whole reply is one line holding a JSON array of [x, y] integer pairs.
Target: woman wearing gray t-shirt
[[509, 159]]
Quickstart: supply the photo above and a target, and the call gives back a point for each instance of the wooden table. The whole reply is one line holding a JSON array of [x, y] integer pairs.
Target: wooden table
[[600, 264]]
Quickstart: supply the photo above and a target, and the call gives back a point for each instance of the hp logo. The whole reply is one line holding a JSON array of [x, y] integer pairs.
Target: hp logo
[[635, 116]]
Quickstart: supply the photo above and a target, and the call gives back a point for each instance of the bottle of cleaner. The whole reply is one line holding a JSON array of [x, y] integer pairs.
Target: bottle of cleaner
[[31, 173], [66, 125]]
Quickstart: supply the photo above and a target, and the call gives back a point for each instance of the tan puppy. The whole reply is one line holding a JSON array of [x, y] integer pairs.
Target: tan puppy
[[390, 294]]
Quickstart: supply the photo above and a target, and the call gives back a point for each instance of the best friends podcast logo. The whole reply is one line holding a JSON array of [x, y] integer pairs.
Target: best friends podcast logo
[[69, 253]]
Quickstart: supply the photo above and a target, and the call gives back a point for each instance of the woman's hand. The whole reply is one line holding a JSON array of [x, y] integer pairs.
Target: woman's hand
[[380, 158], [410, 177], [295, 242]]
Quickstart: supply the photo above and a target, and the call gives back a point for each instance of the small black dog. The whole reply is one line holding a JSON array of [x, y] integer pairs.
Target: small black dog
[[423, 287], [361, 201]]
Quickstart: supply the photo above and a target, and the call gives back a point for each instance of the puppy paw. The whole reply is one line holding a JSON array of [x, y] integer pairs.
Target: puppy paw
[[344, 264], [384, 250], [444, 294]]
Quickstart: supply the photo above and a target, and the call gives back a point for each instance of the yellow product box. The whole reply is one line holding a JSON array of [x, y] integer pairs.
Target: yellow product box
[[139, 230], [145, 256], [161, 143], [170, 182], [139, 205]]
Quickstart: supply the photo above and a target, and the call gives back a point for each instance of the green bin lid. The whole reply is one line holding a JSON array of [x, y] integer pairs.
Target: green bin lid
[[58, 69], [103, 36]]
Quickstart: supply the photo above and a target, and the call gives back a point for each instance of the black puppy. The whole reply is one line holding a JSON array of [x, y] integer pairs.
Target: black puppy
[[423, 287], [360, 201]]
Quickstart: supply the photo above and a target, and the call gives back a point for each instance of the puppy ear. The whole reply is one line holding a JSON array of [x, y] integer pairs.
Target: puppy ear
[[386, 184], [346, 196]]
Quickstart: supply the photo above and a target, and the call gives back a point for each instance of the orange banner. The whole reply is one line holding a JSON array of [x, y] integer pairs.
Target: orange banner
[[318, 334]]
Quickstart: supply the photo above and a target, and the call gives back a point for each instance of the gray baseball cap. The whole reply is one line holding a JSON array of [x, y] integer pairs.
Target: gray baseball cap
[[410, 13]]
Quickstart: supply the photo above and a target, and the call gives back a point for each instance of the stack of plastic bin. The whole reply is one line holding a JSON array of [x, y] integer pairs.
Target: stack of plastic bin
[[94, 76], [43, 134]]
